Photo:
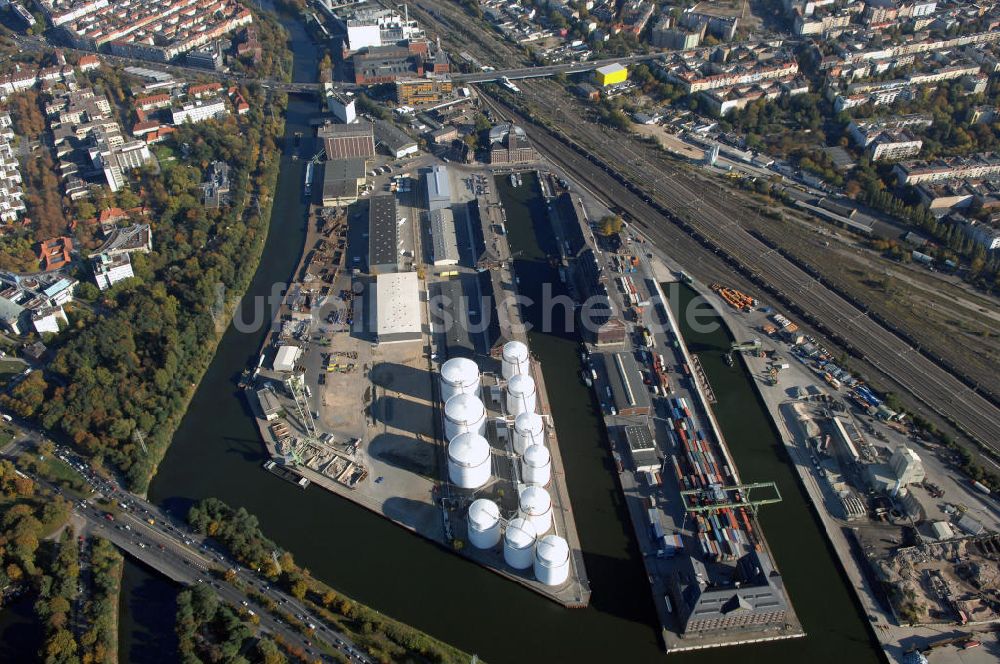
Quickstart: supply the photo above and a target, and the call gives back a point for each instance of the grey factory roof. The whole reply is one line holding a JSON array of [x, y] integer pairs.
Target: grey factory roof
[[642, 447], [269, 403], [438, 187], [639, 438], [450, 313], [445, 244], [758, 593], [382, 234], [391, 137], [628, 392], [341, 179]]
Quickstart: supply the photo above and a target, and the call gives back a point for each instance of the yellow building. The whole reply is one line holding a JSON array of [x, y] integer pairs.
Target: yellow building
[[417, 91], [611, 74]]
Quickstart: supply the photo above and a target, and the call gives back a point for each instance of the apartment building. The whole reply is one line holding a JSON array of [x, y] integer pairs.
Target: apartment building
[[977, 166]]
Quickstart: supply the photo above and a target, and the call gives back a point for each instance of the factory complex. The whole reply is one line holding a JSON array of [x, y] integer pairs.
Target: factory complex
[[455, 438]]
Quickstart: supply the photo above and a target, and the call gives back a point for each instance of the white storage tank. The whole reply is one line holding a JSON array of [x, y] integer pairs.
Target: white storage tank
[[535, 505], [484, 524], [536, 465], [552, 560], [521, 397], [462, 413], [529, 429], [515, 359], [459, 375], [469, 460], [519, 543]]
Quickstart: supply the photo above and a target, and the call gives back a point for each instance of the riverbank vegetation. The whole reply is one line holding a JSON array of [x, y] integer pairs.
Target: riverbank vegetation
[[209, 630], [120, 382], [384, 639]]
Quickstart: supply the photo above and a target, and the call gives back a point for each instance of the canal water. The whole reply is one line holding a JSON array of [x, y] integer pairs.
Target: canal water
[[146, 616], [820, 592], [217, 452]]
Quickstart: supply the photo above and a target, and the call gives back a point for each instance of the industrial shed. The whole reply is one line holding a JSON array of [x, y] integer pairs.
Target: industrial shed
[[438, 188], [397, 307], [342, 178], [443, 239], [623, 384], [383, 235], [642, 447], [286, 357]]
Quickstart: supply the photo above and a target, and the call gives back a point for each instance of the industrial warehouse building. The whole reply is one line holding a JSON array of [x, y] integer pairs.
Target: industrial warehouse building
[[395, 142], [623, 379], [397, 307], [286, 358], [753, 600], [342, 178], [342, 141], [383, 235], [437, 187], [443, 238], [611, 74]]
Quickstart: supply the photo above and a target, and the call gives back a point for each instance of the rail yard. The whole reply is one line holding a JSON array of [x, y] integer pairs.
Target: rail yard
[[671, 208]]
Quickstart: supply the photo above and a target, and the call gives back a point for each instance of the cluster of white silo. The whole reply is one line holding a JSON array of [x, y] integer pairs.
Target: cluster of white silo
[[524, 545], [525, 542], [469, 464]]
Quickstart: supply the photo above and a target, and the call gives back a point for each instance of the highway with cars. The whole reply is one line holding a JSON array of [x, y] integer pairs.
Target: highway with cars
[[150, 535], [696, 223]]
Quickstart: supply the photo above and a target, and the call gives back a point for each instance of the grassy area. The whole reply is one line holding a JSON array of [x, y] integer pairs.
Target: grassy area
[[10, 368], [57, 471]]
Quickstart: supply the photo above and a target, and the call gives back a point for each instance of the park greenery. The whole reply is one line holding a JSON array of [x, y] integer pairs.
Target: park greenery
[[120, 382], [211, 631], [28, 514], [384, 639]]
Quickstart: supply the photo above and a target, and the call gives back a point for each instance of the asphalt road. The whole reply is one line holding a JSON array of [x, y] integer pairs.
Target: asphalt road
[[171, 548]]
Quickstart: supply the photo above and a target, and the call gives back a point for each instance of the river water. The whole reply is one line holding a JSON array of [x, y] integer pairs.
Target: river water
[[217, 452]]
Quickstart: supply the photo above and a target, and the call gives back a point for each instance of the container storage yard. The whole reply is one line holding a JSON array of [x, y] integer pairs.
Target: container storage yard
[[712, 576]]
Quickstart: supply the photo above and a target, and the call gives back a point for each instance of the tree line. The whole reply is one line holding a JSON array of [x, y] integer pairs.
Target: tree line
[[384, 639]]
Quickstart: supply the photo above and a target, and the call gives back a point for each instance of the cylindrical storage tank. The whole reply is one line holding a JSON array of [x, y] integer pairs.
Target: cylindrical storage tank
[[469, 460], [484, 524], [521, 395], [515, 359], [519, 543], [459, 375], [463, 413], [529, 429], [552, 560], [536, 465], [535, 505]]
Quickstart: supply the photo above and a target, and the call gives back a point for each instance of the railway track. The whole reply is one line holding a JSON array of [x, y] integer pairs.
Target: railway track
[[678, 207]]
